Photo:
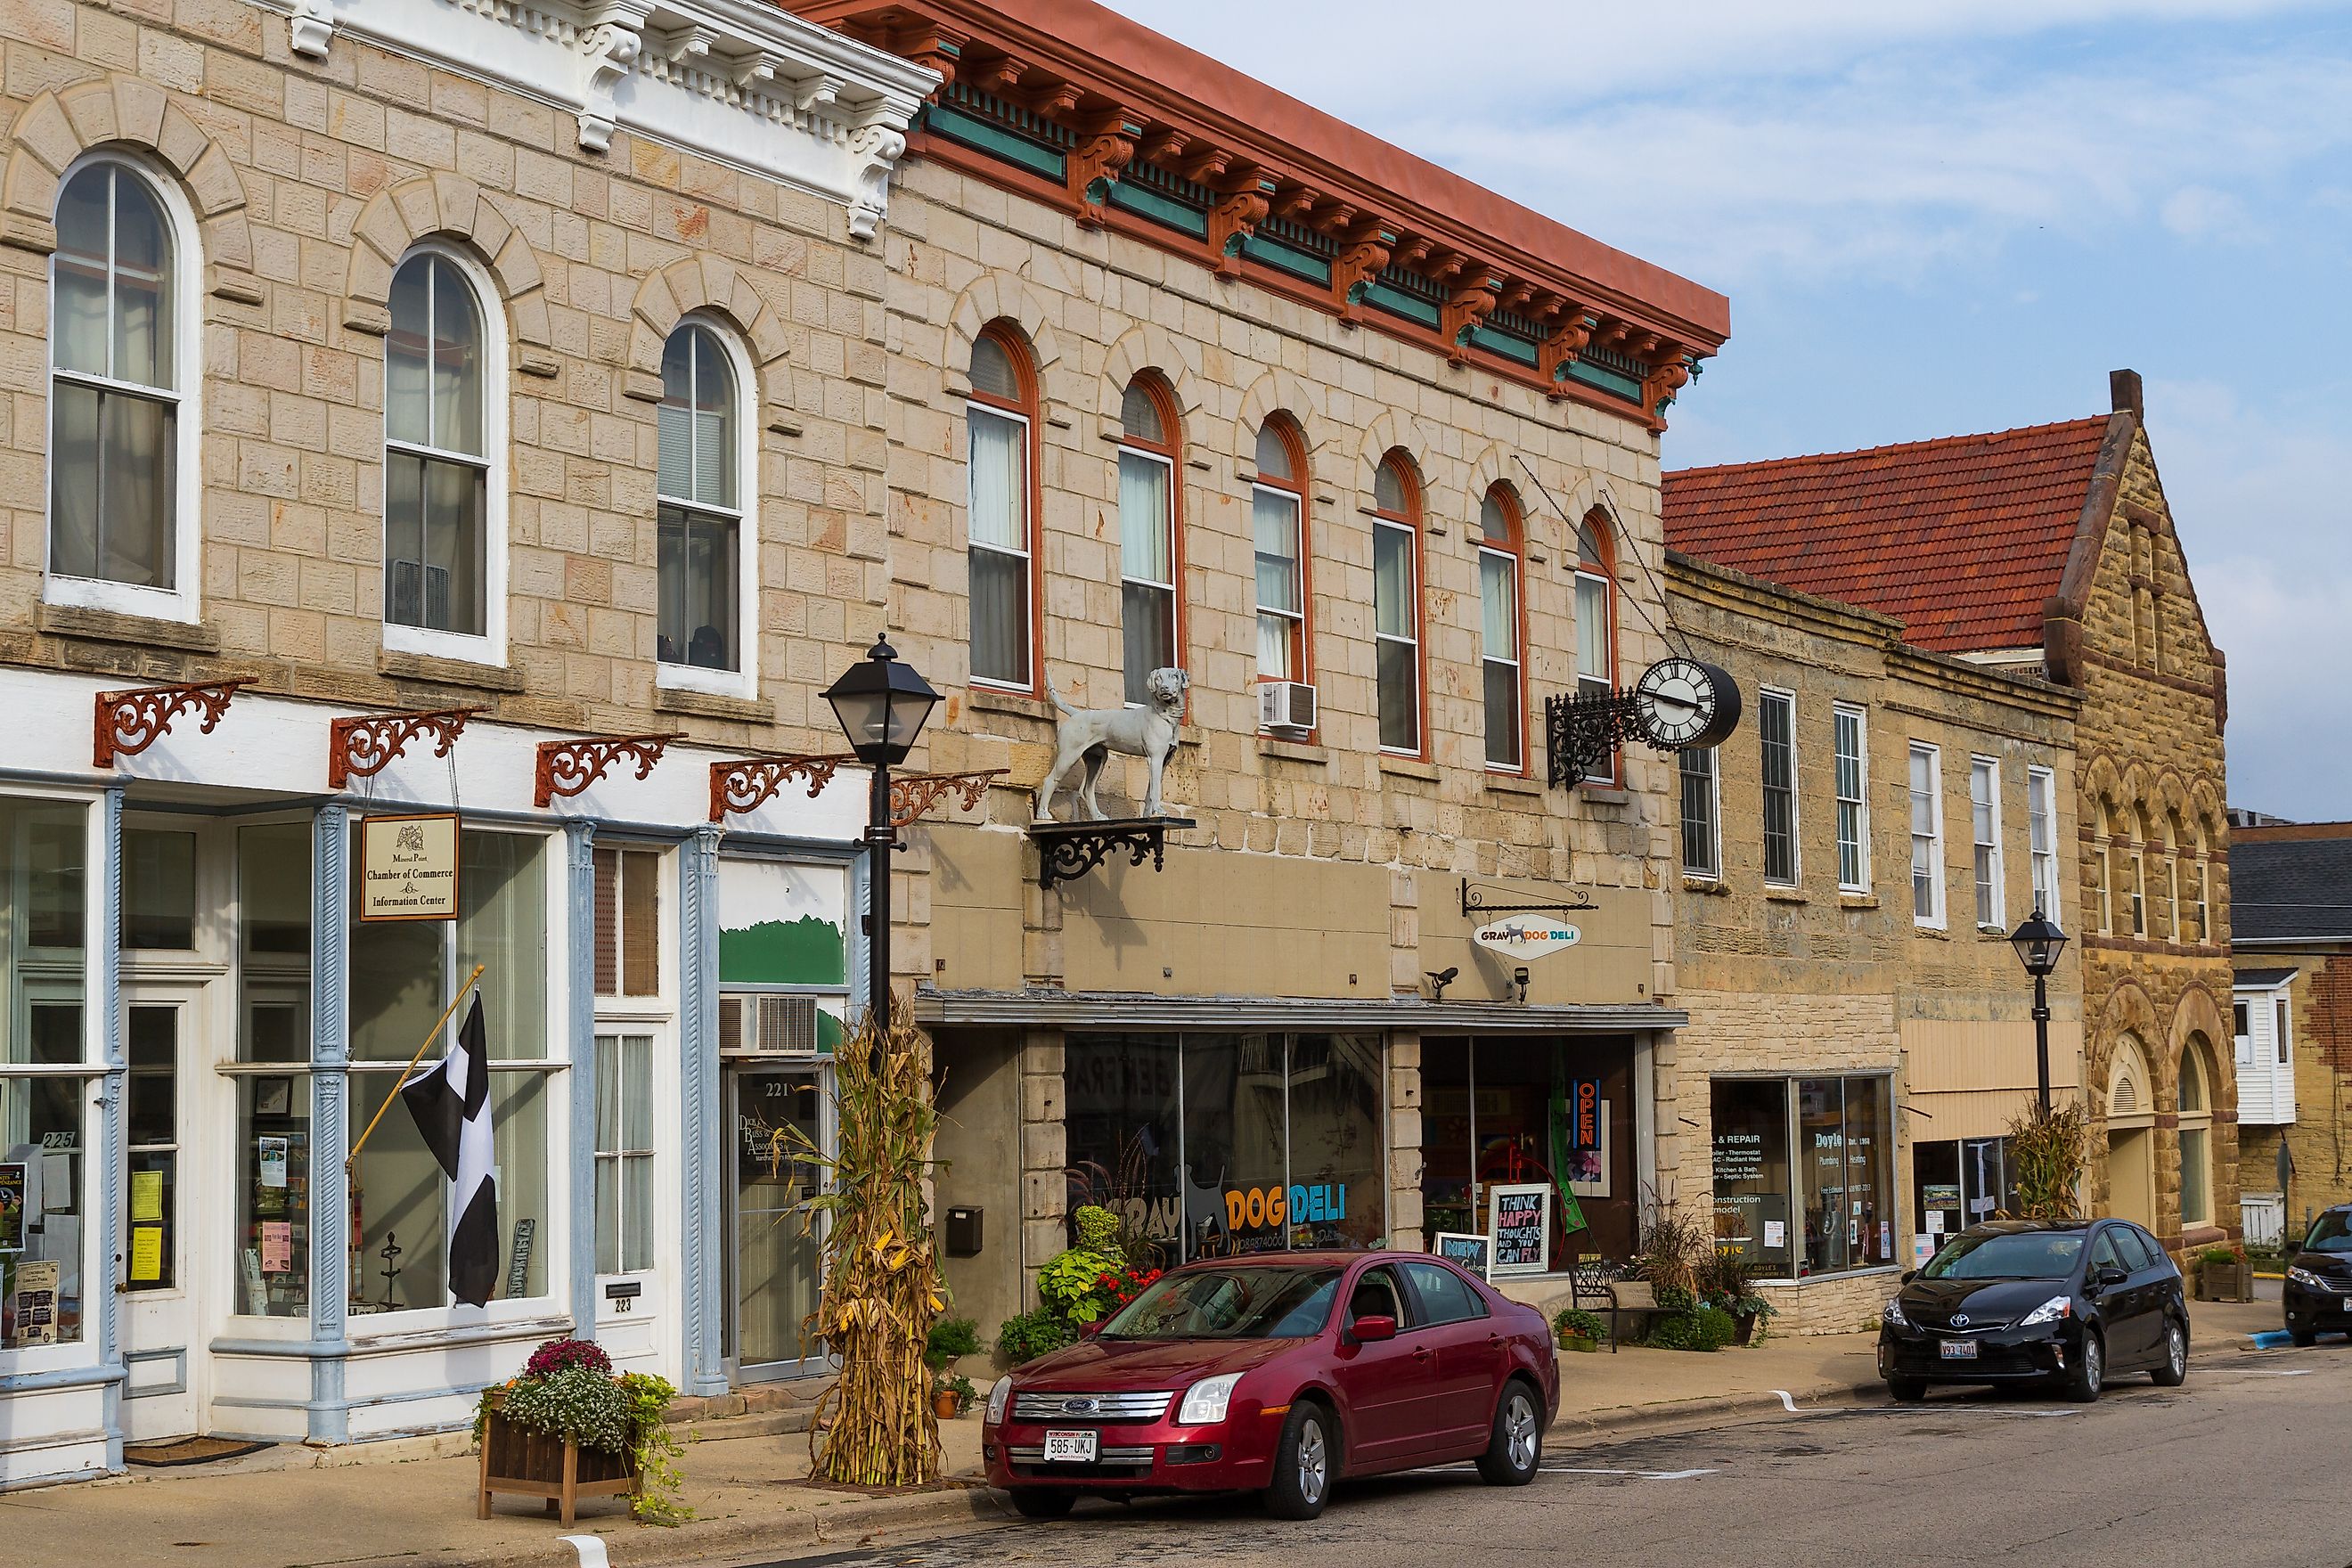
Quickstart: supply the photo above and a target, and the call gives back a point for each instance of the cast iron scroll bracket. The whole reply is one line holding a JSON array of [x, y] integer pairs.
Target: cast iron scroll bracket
[[1475, 902], [128, 722], [1581, 732], [366, 745], [911, 794], [1066, 851], [568, 767], [745, 783]]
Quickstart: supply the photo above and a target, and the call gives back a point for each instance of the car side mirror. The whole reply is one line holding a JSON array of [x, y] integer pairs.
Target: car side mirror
[[2111, 1276], [2292, 1247], [1372, 1328], [1088, 1330], [1908, 1276]]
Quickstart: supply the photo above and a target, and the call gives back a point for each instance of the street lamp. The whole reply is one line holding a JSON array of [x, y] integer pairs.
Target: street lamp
[[2038, 943], [881, 704]]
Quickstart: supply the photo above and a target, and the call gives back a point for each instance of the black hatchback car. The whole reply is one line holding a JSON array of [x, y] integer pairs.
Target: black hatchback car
[[2318, 1289], [2062, 1301]]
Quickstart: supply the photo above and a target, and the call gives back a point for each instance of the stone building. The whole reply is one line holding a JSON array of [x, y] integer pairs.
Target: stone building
[[1186, 373], [416, 410], [2049, 553]]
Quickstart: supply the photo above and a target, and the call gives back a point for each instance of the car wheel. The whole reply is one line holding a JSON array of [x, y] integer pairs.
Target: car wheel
[[2082, 1385], [2304, 1337], [1036, 1502], [1517, 1443], [1907, 1390], [1303, 1462], [2173, 1370]]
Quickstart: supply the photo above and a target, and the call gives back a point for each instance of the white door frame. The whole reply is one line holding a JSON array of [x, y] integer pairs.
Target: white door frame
[[164, 1327]]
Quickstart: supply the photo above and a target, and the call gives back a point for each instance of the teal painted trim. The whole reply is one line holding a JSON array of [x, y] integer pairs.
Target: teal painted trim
[[993, 140], [1285, 259], [1397, 302], [704, 1265], [1503, 344], [579, 848], [1605, 380], [331, 1205], [1144, 202], [113, 1133]]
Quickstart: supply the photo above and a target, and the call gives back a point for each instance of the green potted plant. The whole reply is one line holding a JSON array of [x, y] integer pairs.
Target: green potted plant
[[569, 1428], [2225, 1275], [1578, 1329], [951, 1395], [1728, 1281]]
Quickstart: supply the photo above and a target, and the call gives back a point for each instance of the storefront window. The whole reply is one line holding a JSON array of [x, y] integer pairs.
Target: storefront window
[[1751, 1172], [1120, 1107], [159, 889], [1335, 1140], [273, 1135], [624, 1155], [274, 1195], [1835, 1215], [45, 1117], [1961, 1182], [1548, 1114]]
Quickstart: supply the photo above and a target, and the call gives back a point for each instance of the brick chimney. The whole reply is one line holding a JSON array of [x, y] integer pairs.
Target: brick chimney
[[2123, 392]]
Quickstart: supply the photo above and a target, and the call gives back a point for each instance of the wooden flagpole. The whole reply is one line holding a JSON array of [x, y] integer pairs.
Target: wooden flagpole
[[350, 1161]]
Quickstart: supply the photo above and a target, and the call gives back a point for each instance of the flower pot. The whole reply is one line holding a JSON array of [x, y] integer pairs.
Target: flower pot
[[1582, 1343], [1745, 1324], [944, 1404], [516, 1459], [2225, 1281]]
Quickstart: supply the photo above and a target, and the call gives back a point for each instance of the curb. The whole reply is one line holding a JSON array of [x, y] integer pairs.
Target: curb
[[1635, 1419]]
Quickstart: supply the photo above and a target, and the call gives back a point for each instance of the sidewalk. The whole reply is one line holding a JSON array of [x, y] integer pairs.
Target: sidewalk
[[412, 1502]]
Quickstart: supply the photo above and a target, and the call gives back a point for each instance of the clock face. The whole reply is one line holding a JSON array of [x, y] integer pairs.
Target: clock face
[[1684, 704]]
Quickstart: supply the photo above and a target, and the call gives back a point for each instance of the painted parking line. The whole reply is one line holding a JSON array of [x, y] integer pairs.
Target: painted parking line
[[1637, 1475], [2281, 1372], [1939, 1408]]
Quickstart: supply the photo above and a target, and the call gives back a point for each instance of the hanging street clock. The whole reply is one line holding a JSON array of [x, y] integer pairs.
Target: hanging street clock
[[1682, 705]]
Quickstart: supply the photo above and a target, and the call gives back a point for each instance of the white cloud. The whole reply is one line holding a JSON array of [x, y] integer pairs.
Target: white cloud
[[2201, 212]]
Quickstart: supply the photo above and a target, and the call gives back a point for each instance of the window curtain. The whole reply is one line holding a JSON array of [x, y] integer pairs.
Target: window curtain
[[1274, 517], [1498, 594], [1592, 630], [1143, 518], [1392, 581], [1000, 498]]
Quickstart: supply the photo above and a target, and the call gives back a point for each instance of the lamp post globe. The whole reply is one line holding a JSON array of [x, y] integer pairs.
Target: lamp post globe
[[881, 704], [2038, 943]]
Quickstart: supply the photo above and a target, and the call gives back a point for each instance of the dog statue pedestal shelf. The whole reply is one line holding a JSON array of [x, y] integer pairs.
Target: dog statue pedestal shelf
[[1066, 851], [1089, 736]]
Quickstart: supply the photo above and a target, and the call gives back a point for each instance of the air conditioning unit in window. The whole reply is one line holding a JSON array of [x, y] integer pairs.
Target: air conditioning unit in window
[[1286, 706], [773, 1026]]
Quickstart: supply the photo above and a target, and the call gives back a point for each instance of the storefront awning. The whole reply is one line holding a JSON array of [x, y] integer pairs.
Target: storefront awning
[[1127, 1010]]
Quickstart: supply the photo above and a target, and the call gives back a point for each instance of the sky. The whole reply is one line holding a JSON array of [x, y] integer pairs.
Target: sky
[[1938, 217]]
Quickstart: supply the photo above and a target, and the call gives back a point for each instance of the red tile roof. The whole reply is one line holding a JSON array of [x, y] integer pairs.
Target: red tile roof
[[1962, 539]]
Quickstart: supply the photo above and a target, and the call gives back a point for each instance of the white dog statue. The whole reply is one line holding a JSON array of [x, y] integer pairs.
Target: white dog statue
[[1091, 734]]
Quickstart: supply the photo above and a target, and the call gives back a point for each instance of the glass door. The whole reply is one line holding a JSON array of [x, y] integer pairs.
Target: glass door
[[159, 1319], [774, 1263]]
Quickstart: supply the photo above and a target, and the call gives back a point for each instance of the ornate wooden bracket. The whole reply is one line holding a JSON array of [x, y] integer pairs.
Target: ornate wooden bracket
[[1666, 377], [364, 746], [128, 722], [1465, 309], [1558, 351], [1353, 271], [745, 783], [1071, 849], [1233, 220], [568, 767], [911, 794], [1090, 167]]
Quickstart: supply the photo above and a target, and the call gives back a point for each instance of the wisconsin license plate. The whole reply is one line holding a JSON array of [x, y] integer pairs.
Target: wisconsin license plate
[[1952, 1350], [1078, 1448]]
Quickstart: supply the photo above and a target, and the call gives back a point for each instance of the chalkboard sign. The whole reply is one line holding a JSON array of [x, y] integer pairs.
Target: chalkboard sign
[[1473, 1253], [1518, 1219]]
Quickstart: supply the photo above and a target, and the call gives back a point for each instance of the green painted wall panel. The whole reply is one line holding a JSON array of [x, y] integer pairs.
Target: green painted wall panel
[[993, 140]]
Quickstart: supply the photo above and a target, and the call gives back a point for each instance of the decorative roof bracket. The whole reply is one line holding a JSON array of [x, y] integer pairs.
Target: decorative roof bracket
[[568, 767], [128, 722]]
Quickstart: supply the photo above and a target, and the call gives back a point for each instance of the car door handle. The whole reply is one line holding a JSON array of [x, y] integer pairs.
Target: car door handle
[[1423, 1352]]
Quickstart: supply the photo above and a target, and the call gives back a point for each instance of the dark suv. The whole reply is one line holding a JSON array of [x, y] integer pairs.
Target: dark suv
[[2318, 1290]]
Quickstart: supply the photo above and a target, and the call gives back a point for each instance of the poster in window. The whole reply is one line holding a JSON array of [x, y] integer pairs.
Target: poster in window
[[408, 868], [1473, 1253], [37, 1301], [12, 1205], [1518, 1221], [1588, 1166], [273, 1096]]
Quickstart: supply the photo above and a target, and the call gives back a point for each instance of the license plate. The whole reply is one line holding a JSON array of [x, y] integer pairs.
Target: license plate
[[1960, 1350], [1078, 1448]]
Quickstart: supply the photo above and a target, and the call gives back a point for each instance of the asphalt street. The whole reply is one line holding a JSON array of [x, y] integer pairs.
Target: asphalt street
[[2244, 1464]]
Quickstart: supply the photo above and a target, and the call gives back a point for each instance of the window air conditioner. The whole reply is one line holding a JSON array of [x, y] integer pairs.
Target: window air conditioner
[[1286, 705], [773, 1026]]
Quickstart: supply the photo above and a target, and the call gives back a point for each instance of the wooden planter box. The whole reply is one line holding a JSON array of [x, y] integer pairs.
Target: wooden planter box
[[2225, 1281], [536, 1465]]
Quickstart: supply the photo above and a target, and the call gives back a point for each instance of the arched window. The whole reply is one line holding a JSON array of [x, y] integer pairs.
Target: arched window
[[1148, 557], [1000, 419], [1396, 601], [1502, 551], [121, 522], [2196, 1107], [707, 621], [1278, 519], [1596, 619], [441, 554]]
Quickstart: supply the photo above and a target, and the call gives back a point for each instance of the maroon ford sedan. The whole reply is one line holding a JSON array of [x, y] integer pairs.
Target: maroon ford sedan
[[1279, 1375]]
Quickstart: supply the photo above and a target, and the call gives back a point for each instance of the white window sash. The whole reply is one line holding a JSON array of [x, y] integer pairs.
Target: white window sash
[[1992, 904], [1766, 701], [1409, 638], [1927, 844], [1858, 803]]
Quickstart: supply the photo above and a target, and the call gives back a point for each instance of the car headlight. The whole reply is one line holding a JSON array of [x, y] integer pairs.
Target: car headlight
[[1205, 1401], [1000, 1399], [2305, 1277], [1893, 1317], [2050, 1311]]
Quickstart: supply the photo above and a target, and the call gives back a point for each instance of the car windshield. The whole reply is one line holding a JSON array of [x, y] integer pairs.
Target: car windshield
[[1256, 1303], [2331, 1232], [2008, 1254]]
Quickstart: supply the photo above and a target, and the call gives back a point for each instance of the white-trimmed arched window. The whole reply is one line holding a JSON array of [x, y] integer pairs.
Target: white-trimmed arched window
[[2196, 1107], [443, 427], [1397, 603], [708, 620], [125, 357], [1149, 557], [999, 419], [1502, 552]]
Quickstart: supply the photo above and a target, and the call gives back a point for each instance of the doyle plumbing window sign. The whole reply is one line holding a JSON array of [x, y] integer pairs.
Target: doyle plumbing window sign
[[1526, 936], [408, 868]]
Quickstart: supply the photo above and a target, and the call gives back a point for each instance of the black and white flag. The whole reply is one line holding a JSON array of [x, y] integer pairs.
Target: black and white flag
[[451, 1102]]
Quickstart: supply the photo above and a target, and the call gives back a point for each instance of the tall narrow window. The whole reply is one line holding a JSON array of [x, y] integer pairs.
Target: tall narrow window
[[1396, 602], [1596, 618], [2042, 839], [2195, 1103], [1277, 512], [2204, 910], [2106, 870], [2138, 890], [1984, 824], [699, 481], [1776, 731], [114, 400], [1502, 548], [1853, 800], [2281, 1031], [624, 1154], [1927, 836], [1147, 535], [1702, 830], [436, 454], [1000, 417], [628, 922], [2172, 888]]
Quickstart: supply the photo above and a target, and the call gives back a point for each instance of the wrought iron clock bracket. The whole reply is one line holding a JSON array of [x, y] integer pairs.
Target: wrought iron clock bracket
[[1580, 732], [1474, 902], [1068, 850]]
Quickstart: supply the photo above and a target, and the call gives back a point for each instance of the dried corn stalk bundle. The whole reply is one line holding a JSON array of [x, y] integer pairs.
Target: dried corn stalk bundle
[[2049, 1150]]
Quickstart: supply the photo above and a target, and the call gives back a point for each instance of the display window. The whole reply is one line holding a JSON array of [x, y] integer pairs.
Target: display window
[[1549, 1124], [1961, 1182], [1803, 1173], [45, 1085]]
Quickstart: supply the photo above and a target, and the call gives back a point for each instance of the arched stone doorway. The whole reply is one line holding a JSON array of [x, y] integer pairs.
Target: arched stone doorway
[[2131, 1135]]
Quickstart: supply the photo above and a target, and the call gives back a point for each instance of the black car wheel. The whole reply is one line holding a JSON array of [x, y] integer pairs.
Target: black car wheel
[[1304, 1463], [2173, 1370], [1037, 1502], [1908, 1390], [1517, 1446], [2304, 1337], [2082, 1385]]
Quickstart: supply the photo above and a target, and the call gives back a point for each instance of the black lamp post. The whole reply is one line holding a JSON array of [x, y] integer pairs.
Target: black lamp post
[[881, 704], [2038, 943]]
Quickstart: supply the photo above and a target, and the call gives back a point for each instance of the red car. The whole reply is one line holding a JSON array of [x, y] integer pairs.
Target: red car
[[1279, 1374]]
